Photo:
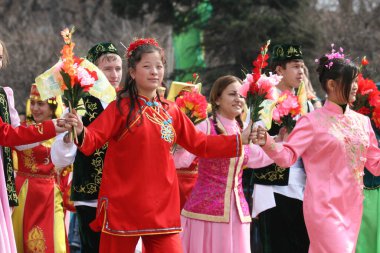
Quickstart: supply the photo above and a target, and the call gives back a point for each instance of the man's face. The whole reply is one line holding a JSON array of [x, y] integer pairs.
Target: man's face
[[292, 75], [111, 65]]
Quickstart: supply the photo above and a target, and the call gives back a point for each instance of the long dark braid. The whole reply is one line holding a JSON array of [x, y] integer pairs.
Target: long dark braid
[[215, 122], [164, 104], [239, 121], [130, 91]]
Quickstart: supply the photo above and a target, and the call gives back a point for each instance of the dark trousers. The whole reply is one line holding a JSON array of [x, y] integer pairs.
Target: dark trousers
[[89, 239], [282, 228], [248, 183], [74, 236]]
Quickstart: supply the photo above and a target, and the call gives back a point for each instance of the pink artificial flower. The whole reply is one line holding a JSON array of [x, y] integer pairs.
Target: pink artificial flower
[[246, 84], [268, 83], [287, 104], [85, 78]]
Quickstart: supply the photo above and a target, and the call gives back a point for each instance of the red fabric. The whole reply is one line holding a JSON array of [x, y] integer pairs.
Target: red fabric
[[21, 135], [139, 190], [35, 167], [65, 187], [169, 243], [187, 177]]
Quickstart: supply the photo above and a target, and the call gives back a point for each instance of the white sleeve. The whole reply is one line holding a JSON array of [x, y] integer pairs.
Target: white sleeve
[[62, 154], [182, 158]]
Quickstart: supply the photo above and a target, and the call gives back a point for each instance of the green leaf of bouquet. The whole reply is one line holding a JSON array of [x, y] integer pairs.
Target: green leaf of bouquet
[[66, 79]]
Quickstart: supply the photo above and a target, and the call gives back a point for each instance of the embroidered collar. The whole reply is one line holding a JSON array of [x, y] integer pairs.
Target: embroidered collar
[[335, 108]]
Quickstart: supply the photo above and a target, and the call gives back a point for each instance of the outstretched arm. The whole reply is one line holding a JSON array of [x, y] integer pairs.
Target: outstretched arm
[[21, 135], [98, 132], [285, 154], [257, 157], [202, 145]]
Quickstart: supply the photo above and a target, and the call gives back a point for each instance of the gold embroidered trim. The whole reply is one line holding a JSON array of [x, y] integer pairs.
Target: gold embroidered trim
[[187, 172], [152, 231], [25, 174], [10, 182], [243, 217], [371, 188], [97, 163], [36, 242], [273, 175], [40, 128], [227, 195], [97, 160]]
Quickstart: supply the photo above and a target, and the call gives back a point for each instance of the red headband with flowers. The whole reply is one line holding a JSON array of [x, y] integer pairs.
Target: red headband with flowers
[[139, 42]]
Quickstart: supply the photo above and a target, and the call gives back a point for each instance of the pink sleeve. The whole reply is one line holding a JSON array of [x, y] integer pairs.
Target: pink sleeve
[[373, 153], [183, 158], [285, 154], [15, 119], [257, 157]]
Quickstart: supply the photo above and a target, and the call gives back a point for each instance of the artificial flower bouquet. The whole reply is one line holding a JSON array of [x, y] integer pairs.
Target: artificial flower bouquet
[[177, 88], [74, 78], [259, 89], [193, 104], [367, 98], [189, 99], [286, 110]]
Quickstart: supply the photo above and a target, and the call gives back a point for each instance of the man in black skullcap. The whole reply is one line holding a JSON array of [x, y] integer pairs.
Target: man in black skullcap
[[278, 192], [87, 171]]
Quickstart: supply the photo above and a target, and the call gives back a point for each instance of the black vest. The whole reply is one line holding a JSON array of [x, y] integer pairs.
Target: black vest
[[7, 153], [271, 174], [87, 173]]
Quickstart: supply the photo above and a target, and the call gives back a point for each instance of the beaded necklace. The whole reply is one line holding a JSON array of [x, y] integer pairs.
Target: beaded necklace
[[167, 130]]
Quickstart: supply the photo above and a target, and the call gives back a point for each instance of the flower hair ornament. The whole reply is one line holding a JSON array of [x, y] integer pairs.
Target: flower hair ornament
[[334, 55], [137, 42]]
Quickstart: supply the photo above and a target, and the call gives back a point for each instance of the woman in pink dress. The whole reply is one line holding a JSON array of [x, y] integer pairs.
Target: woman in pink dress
[[335, 144], [216, 218]]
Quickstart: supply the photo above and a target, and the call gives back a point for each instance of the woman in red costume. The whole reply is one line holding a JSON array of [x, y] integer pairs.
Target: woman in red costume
[[10, 137], [139, 191], [38, 221]]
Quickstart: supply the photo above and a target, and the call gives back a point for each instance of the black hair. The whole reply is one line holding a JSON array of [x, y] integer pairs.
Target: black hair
[[282, 63], [341, 70], [53, 108], [129, 89]]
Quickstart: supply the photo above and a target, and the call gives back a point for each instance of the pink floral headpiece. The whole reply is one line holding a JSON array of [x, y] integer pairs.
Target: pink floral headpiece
[[334, 55], [139, 42]]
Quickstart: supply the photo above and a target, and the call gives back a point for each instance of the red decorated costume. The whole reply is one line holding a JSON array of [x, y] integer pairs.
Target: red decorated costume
[[38, 220]]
